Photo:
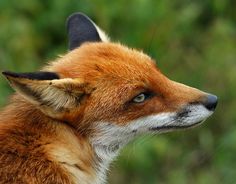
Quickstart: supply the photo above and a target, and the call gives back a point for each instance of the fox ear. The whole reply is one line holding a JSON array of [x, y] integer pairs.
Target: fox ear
[[47, 91], [82, 29]]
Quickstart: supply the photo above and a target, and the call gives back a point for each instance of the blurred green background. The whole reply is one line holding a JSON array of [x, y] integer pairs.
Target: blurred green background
[[194, 42]]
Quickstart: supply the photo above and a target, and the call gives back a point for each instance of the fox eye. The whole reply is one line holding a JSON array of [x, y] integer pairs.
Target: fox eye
[[141, 97]]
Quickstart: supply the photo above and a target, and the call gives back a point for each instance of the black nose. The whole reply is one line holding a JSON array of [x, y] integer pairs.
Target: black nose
[[210, 102]]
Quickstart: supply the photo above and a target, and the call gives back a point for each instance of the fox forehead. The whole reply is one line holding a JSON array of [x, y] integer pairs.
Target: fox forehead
[[98, 61]]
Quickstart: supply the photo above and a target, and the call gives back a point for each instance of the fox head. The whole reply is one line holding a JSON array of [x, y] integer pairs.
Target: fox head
[[109, 92]]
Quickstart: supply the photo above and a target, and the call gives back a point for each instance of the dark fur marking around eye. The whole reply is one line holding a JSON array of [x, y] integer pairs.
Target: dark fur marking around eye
[[33, 75]]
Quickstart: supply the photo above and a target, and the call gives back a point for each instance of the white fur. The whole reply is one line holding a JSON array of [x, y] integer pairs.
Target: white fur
[[111, 137], [101, 33]]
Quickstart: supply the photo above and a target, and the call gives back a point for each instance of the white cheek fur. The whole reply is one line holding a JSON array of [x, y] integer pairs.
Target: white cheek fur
[[111, 137], [110, 134]]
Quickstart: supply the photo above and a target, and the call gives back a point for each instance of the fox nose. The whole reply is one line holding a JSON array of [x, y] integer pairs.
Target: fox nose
[[210, 102]]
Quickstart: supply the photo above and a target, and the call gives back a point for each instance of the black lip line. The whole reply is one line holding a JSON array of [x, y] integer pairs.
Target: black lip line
[[173, 127]]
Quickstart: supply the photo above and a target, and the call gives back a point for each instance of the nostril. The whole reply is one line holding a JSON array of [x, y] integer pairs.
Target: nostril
[[210, 102]]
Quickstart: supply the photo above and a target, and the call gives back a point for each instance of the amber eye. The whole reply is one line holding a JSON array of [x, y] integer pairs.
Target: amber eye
[[141, 97]]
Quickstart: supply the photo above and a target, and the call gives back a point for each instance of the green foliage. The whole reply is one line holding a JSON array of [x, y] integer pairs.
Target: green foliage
[[194, 42]]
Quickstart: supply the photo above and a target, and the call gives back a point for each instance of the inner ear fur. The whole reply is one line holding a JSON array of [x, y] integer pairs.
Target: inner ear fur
[[50, 92]]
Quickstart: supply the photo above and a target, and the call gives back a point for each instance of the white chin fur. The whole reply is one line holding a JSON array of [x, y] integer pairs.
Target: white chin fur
[[189, 116], [195, 114], [111, 137]]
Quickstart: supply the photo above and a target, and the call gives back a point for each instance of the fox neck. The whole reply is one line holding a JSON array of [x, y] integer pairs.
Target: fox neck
[[107, 142]]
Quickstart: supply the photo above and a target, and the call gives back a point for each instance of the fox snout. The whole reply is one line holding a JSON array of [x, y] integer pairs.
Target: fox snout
[[192, 113]]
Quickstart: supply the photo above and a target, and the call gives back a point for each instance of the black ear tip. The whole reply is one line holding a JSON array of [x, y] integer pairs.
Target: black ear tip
[[81, 29], [76, 15], [33, 75], [74, 18], [10, 74], [4, 72]]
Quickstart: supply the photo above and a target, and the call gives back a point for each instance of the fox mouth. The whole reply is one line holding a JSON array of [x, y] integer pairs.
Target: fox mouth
[[188, 117], [174, 127]]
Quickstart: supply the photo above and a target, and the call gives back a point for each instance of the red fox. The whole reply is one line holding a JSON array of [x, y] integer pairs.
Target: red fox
[[66, 123]]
